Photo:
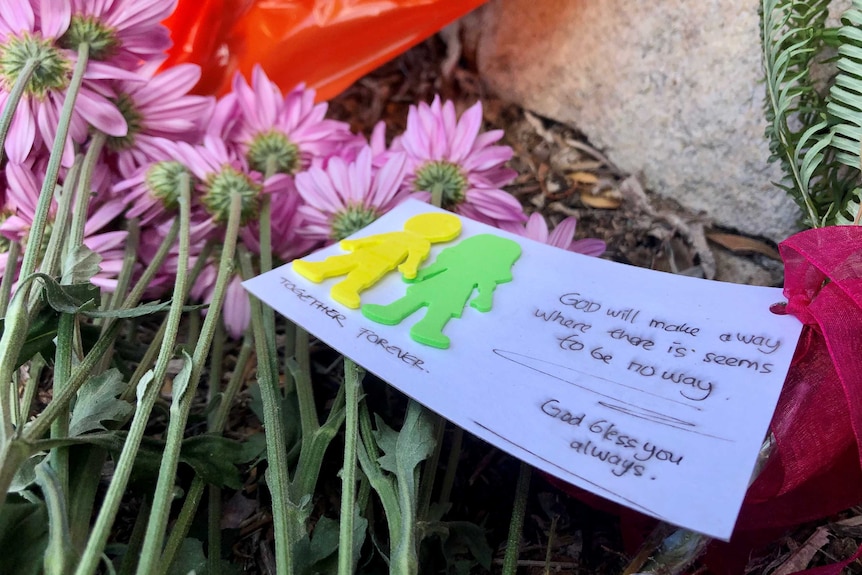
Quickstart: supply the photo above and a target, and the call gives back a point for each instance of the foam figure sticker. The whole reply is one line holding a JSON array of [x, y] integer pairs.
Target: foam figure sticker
[[650, 389], [372, 257], [477, 263]]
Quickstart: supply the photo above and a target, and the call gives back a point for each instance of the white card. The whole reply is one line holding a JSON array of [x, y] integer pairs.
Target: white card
[[650, 389]]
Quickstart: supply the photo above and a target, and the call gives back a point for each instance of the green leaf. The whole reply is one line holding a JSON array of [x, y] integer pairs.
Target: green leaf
[[190, 560], [23, 536], [467, 537], [319, 554], [846, 92], [402, 453], [81, 264], [404, 450], [324, 540], [794, 38], [40, 337], [26, 474], [72, 298], [213, 458], [98, 401], [84, 299], [59, 553]]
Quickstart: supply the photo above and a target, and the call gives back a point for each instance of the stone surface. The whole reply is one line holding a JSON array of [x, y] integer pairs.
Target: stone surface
[[670, 90]]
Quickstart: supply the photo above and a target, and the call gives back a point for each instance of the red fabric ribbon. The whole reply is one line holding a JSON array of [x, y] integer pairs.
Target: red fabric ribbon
[[816, 468]]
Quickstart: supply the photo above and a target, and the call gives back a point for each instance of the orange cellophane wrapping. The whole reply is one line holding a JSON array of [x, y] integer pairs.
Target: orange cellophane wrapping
[[327, 44]]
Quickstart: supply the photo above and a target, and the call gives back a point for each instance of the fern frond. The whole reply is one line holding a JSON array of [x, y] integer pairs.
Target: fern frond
[[792, 35], [851, 212], [845, 96]]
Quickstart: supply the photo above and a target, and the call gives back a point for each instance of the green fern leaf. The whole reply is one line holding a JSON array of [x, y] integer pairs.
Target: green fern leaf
[[792, 34], [845, 105], [849, 213]]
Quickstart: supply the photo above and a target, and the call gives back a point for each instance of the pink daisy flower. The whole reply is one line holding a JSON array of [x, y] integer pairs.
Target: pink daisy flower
[[37, 116], [449, 156], [156, 110], [122, 32], [23, 193], [151, 190], [562, 237], [345, 197], [219, 173], [291, 130]]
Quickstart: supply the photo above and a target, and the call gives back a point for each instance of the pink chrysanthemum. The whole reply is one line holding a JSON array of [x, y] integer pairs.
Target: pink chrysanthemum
[[151, 192], [448, 156], [159, 108], [220, 174], [346, 197], [122, 32], [23, 193], [37, 116], [562, 237], [288, 131]]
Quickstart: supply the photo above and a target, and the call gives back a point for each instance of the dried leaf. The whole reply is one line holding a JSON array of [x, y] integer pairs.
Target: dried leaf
[[800, 558], [743, 245], [603, 201], [582, 178]]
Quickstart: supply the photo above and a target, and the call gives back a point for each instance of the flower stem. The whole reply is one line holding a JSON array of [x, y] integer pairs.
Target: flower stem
[[284, 514], [516, 524], [154, 539], [452, 464], [67, 326], [148, 391], [130, 258], [214, 494], [8, 276], [82, 200], [67, 330], [40, 218], [152, 268], [17, 320], [195, 491], [51, 261], [13, 99], [265, 244], [304, 391], [353, 375]]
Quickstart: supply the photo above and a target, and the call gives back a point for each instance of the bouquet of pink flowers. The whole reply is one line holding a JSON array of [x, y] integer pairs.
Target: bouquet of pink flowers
[[118, 185]]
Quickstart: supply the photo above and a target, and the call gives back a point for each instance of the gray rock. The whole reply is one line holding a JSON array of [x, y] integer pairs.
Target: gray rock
[[670, 90]]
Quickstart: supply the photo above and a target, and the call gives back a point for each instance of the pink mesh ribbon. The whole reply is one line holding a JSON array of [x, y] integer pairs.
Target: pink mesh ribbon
[[816, 468]]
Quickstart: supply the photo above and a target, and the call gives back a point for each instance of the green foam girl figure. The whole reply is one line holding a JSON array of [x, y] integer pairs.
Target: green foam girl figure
[[480, 263]]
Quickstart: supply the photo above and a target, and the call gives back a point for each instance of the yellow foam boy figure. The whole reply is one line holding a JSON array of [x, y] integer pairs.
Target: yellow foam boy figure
[[373, 257]]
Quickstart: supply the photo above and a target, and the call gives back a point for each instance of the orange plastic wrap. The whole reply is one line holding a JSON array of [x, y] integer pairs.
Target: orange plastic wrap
[[327, 44]]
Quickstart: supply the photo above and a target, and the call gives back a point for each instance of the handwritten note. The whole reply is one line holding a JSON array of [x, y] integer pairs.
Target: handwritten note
[[649, 389]]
